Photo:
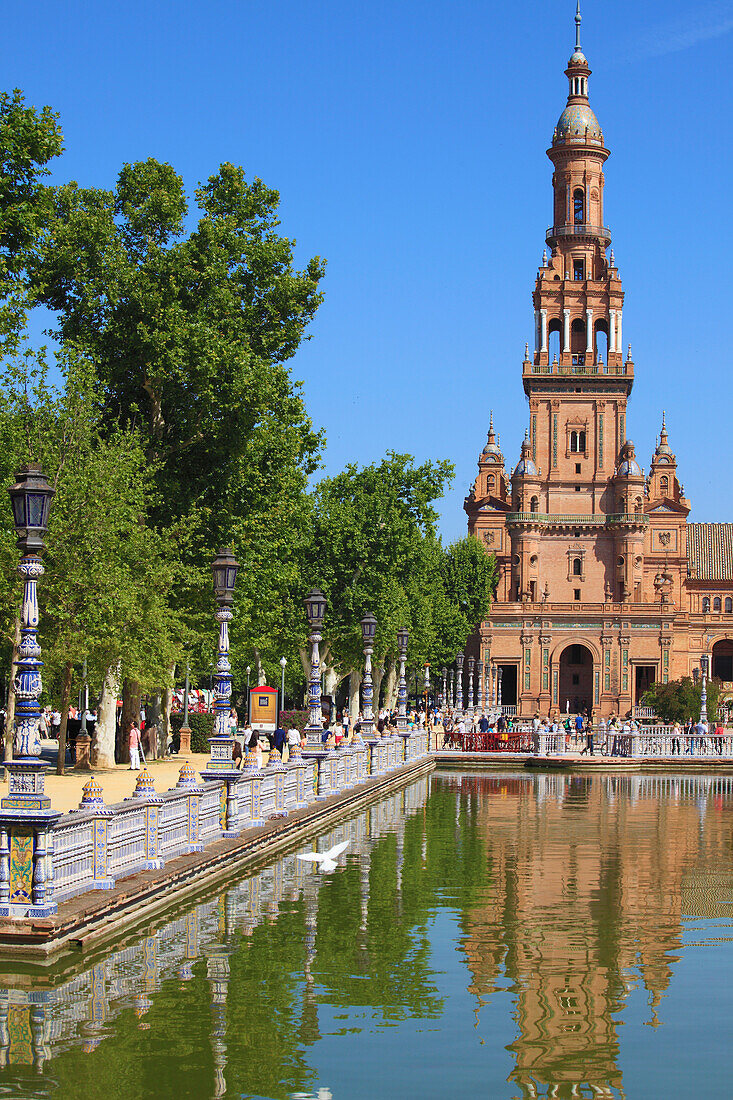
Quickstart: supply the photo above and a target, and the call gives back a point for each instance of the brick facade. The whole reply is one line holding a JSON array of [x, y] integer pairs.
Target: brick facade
[[603, 586]]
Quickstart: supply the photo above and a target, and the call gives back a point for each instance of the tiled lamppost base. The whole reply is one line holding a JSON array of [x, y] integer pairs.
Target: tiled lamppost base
[[26, 818]]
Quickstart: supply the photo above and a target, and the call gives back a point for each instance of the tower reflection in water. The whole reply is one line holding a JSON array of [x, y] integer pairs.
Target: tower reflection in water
[[566, 895]]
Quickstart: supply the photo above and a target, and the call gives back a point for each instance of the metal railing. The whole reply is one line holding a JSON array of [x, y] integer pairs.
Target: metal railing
[[578, 368], [585, 230], [644, 712]]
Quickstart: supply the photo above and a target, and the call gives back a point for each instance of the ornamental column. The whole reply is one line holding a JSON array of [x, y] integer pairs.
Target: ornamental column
[[589, 332], [566, 331]]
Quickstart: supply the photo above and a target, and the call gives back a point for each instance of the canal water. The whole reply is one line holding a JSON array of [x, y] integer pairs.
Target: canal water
[[495, 935]]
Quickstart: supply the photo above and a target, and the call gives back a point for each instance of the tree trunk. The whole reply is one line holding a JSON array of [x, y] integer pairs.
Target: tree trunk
[[10, 712], [260, 670], [103, 742], [131, 693], [153, 723], [65, 701], [390, 689], [354, 685], [166, 715], [378, 676]]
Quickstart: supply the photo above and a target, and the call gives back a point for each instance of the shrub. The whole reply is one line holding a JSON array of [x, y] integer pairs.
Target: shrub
[[202, 728], [297, 718]]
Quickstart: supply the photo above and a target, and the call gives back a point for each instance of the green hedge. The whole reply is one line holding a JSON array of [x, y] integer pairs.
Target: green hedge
[[202, 728]]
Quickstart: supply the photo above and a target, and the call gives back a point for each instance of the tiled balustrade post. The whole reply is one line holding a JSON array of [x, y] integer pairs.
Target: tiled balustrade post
[[92, 803], [187, 782], [251, 783], [26, 846], [298, 764], [145, 792], [276, 767]]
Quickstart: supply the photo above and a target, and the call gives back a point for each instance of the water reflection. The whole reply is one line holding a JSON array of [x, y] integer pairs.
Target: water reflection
[[500, 927]]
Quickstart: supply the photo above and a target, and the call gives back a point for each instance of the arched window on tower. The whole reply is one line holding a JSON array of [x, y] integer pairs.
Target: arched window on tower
[[601, 329], [579, 207], [728, 605], [577, 567], [581, 442], [490, 483], [717, 605], [554, 345], [534, 505], [664, 485], [577, 340], [705, 605], [574, 442]]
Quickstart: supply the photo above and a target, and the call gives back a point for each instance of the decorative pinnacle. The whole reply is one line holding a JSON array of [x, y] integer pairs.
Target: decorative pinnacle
[[578, 21], [664, 420], [491, 420], [526, 351]]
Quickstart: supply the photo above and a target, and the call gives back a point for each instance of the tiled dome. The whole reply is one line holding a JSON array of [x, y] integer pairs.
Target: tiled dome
[[575, 119]]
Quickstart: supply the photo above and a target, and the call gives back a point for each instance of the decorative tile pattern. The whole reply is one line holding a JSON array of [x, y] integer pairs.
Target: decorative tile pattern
[[21, 866]]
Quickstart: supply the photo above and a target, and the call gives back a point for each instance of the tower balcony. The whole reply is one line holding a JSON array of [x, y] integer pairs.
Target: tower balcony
[[541, 519], [556, 233]]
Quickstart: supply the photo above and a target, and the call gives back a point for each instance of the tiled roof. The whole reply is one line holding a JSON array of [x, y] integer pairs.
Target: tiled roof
[[710, 551]]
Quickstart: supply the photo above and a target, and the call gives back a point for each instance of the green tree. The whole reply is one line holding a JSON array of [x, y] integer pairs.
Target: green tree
[[191, 335], [681, 699], [108, 573], [29, 139]]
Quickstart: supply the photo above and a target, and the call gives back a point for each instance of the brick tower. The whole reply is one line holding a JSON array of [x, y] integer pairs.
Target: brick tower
[[600, 576]]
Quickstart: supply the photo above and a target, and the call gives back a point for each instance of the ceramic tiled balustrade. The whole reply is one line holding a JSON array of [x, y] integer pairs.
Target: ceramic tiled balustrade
[[46, 858]]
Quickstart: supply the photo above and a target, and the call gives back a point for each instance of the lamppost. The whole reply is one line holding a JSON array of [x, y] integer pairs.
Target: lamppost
[[283, 663], [31, 500], [403, 637], [459, 683], [315, 609], [471, 699], [26, 817], [704, 690], [427, 697], [499, 674], [453, 689], [368, 632], [481, 675], [444, 696], [224, 569], [184, 744], [249, 716]]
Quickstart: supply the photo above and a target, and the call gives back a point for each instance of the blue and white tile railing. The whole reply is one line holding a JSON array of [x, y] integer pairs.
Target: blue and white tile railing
[[47, 857]]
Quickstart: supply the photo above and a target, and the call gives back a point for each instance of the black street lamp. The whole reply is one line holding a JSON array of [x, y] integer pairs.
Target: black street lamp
[[31, 498], [224, 570], [403, 637], [368, 632], [315, 609]]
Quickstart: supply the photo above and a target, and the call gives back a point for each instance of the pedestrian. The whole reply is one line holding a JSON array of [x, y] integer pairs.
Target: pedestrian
[[676, 730], [279, 739], [588, 738], [236, 754], [134, 746], [293, 739], [719, 735], [255, 746]]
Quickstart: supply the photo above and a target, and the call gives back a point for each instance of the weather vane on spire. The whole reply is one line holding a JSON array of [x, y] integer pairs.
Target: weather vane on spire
[[578, 21]]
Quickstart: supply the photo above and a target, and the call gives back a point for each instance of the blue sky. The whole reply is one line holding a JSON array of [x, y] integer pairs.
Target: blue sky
[[408, 143]]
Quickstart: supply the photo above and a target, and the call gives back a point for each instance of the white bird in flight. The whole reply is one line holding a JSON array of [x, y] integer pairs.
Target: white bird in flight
[[326, 860]]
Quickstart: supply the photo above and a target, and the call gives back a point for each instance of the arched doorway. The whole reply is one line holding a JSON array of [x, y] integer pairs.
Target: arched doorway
[[576, 678], [723, 660]]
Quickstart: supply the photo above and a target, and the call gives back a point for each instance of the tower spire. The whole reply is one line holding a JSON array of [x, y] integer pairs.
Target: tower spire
[[578, 21]]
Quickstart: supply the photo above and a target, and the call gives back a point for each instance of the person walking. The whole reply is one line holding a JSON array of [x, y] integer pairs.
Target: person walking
[[588, 737], [133, 742], [676, 731]]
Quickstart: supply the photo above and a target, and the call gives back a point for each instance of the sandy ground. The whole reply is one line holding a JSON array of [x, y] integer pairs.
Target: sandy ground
[[65, 791]]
